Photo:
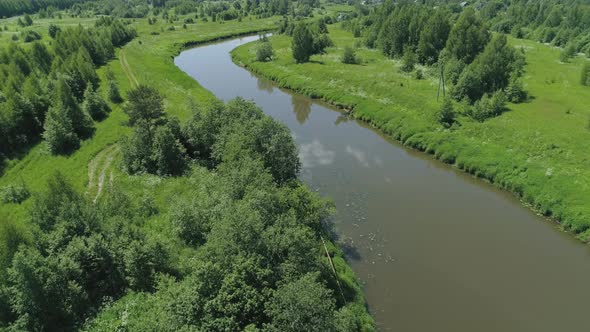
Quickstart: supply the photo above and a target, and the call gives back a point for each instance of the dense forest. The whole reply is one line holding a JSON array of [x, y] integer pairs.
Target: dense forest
[[169, 9], [50, 92], [244, 253]]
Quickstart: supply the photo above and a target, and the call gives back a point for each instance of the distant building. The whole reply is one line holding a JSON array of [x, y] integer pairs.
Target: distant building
[[464, 4]]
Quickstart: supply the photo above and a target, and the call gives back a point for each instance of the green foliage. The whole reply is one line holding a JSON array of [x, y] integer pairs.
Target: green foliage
[[468, 37], [94, 105], [409, 60], [302, 305], [264, 52], [515, 91], [59, 132], [433, 37], [446, 114], [489, 107], [302, 44], [53, 30], [144, 103], [567, 53], [15, 193], [168, 153], [491, 70], [30, 36], [349, 56]]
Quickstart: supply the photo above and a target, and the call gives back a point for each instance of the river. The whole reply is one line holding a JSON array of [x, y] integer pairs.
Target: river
[[435, 249]]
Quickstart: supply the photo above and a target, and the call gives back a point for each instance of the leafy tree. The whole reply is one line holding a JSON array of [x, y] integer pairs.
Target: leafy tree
[[302, 44], [94, 105], [433, 37], [446, 114], [264, 52], [491, 70], [409, 60], [28, 20], [515, 92], [53, 30], [168, 152], [144, 104], [468, 36], [489, 107], [302, 305], [567, 53], [349, 56], [59, 131], [113, 92]]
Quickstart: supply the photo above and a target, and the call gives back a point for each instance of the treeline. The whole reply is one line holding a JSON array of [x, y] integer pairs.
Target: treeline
[[241, 250], [476, 66], [559, 22], [51, 92], [16, 7]]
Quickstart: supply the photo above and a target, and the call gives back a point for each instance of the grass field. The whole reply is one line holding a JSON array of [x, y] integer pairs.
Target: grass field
[[538, 150]]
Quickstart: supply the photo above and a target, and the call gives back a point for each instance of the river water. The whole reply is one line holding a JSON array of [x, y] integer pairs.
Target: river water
[[436, 250]]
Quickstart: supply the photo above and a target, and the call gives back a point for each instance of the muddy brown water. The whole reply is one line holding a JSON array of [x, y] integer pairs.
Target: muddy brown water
[[436, 250]]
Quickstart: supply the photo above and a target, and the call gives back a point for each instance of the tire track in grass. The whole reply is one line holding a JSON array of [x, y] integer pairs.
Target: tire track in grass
[[102, 161], [127, 69]]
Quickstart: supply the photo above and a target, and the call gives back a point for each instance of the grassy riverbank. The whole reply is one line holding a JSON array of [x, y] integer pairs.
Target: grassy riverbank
[[537, 150]]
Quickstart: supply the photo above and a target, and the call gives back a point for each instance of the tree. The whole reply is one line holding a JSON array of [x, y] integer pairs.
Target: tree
[[59, 132], [264, 52], [302, 44], [28, 20], [53, 30], [113, 92], [168, 153], [409, 60], [491, 70], [468, 36], [146, 104], [302, 305], [567, 53], [94, 105], [349, 56], [446, 113], [433, 37]]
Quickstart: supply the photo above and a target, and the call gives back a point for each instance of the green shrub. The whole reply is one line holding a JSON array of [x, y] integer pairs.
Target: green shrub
[[14, 193], [489, 107], [264, 52], [349, 56], [446, 113]]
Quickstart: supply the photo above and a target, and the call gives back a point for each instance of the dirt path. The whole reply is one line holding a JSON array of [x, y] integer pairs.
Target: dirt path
[[97, 169], [127, 69]]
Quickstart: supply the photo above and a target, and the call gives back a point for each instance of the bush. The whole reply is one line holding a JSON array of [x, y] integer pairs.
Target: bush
[[446, 114], [409, 60], [30, 36], [419, 74], [349, 56], [515, 92], [489, 107], [94, 105], [567, 53], [114, 94], [264, 52], [14, 193]]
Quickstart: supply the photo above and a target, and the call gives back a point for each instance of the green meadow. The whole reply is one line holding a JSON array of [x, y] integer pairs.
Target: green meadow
[[538, 149]]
